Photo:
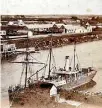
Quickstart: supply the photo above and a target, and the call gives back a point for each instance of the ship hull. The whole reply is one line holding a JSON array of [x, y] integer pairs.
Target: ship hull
[[82, 80], [79, 82]]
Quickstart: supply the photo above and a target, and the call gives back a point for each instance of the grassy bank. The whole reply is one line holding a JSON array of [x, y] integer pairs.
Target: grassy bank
[[42, 43]]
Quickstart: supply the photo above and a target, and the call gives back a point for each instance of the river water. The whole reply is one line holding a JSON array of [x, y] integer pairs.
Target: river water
[[90, 54]]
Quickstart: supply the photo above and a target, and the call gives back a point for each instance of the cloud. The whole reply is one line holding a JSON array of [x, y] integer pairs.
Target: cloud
[[51, 7]]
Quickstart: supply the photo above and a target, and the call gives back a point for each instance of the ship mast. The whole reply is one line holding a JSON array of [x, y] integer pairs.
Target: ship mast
[[74, 55], [50, 49], [26, 59]]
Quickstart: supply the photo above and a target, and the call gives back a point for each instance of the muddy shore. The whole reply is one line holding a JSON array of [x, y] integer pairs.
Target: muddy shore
[[42, 43], [81, 96], [38, 97]]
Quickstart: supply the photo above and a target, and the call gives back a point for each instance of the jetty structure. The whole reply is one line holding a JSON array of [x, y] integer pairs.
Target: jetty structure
[[7, 50]]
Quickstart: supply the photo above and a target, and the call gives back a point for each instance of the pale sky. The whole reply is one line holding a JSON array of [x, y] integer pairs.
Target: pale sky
[[51, 7]]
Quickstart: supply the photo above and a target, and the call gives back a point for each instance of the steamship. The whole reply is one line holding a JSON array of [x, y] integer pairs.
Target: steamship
[[72, 75]]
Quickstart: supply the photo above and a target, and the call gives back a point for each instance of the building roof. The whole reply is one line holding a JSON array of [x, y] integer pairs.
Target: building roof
[[18, 22], [60, 24], [74, 27], [40, 26]]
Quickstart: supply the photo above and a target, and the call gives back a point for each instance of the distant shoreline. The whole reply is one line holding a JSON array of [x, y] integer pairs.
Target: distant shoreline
[[43, 43]]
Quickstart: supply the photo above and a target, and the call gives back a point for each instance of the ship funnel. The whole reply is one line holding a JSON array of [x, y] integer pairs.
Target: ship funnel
[[66, 67]]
